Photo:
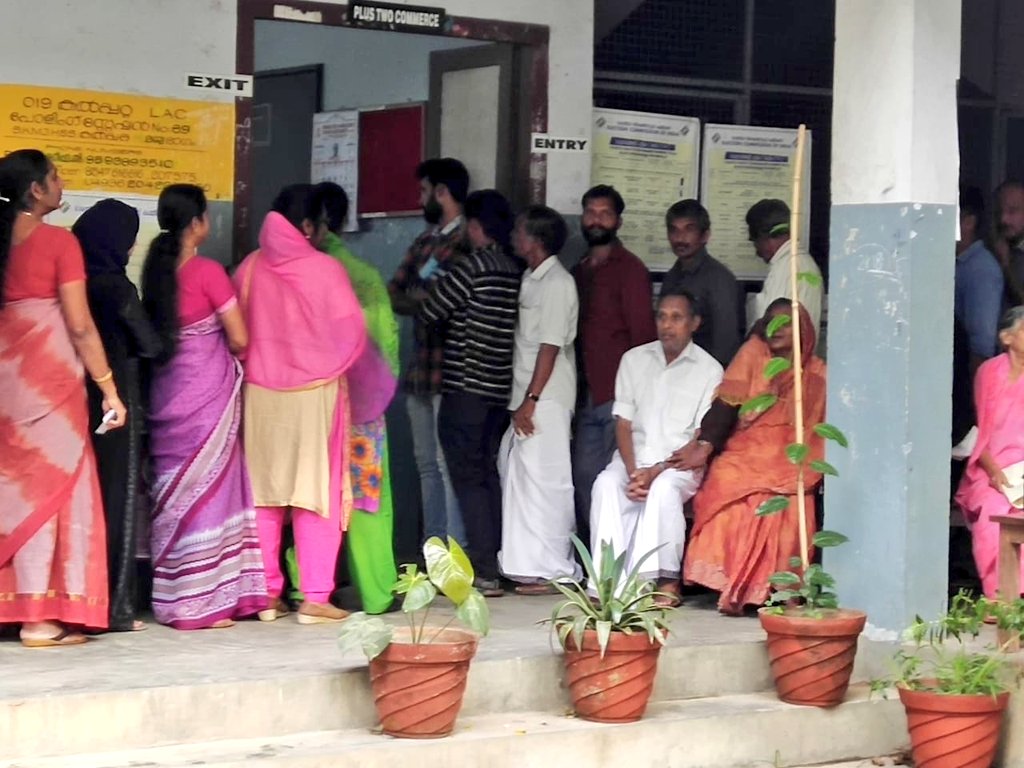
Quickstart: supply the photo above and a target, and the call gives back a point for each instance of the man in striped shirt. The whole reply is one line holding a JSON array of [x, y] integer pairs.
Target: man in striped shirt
[[478, 299]]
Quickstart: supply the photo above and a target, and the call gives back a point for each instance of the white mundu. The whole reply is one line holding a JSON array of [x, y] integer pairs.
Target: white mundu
[[665, 404], [538, 507]]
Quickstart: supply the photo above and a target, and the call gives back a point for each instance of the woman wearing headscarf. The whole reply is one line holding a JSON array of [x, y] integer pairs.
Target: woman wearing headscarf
[[53, 564], [308, 377], [731, 550], [369, 543], [107, 233]]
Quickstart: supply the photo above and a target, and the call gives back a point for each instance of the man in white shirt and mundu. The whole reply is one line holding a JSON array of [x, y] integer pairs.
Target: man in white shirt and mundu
[[662, 391], [538, 514]]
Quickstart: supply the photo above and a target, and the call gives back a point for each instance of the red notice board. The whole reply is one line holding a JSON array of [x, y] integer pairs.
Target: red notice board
[[391, 145]]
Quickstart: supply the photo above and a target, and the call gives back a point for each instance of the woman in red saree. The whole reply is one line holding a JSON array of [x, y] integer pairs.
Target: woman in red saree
[[731, 550], [53, 573]]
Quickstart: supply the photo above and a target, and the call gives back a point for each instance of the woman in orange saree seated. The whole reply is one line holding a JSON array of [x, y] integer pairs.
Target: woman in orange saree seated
[[731, 550]]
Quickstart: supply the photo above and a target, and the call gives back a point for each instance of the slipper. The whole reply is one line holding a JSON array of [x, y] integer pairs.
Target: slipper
[[138, 625], [64, 637], [222, 624], [535, 589]]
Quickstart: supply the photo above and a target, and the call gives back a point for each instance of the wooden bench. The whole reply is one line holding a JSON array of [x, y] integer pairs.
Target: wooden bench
[[1011, 537]]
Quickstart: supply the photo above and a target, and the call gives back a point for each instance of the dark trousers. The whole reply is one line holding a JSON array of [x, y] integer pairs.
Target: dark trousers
[[119, 466], [593, 445], [470, 429]]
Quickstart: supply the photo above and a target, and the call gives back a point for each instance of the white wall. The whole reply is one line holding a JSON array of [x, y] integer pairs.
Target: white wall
[[362, 68], [145, 47], [894, 100]]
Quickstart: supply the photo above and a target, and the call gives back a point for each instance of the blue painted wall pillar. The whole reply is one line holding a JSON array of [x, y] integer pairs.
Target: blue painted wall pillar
[[890, 307]]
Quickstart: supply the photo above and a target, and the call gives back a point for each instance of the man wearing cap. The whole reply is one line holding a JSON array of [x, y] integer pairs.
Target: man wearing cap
[[768, 226]]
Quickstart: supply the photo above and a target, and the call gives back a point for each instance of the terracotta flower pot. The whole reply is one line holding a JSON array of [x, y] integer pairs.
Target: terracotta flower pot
[[614, 689], [418, 689], [812, 658], [953, 730]]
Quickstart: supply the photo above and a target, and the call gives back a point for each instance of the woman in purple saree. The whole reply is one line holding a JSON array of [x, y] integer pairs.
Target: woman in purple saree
[[207, 565]]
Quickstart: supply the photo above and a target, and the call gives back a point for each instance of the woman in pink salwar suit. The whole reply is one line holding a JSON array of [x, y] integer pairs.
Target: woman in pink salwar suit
[[999, 399]]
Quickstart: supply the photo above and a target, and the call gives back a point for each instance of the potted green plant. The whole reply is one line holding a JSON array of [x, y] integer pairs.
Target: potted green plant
[[611, 637], [418, 673], [955, 696], [811, 641]]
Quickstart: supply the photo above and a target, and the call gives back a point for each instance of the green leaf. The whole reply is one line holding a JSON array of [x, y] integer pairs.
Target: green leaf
[[604, 632], [796, 562], [474, 613], [758, 404], [782, 596], [447, 571], [830, 432], [824, 468], [797, 453], [829, 539], [419, 596], [367, 634], [775, 323], [409, 577], [784, 578], [775, 366], [811, 278], [772, 506]]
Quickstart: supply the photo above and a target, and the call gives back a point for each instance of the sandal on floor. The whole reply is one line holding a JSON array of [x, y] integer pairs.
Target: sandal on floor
[[64, 637], [534, 590], [222, 624], [668, 600]]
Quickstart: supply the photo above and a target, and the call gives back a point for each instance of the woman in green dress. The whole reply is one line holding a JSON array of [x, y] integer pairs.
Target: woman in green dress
[[369, 540]]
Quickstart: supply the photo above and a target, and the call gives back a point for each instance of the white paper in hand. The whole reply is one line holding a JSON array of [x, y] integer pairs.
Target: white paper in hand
[[1015, 490]]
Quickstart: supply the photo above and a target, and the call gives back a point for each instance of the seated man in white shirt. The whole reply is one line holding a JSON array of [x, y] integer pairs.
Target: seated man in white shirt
[[768, 227], [662, 391]]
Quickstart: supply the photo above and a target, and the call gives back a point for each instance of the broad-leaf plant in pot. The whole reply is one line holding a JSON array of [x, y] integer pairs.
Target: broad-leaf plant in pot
[[418, 672]]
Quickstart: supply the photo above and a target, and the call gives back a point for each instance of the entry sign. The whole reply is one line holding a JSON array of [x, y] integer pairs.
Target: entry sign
[[396, 18], [543, 143]]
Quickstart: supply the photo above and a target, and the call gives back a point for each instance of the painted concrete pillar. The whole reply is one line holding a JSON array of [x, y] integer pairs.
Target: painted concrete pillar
[[890, 321]]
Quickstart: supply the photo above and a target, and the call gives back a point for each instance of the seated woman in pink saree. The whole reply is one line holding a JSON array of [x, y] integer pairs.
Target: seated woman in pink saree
[[310, 373], [207, 567], [999, 401]]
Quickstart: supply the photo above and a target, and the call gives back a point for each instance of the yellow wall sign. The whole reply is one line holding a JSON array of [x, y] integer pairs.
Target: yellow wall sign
[[121, 143]]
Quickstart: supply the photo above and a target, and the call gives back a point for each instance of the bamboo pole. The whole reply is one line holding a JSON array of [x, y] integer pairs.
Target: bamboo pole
[[796, 214]]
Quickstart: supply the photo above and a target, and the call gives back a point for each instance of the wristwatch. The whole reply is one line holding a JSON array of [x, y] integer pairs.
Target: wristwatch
[[531, 396]]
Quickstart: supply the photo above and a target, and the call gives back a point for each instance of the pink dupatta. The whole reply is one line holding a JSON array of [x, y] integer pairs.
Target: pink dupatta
[[306, 328]]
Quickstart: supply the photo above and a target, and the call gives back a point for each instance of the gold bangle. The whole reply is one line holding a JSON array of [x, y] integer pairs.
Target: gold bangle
[[104, 378]]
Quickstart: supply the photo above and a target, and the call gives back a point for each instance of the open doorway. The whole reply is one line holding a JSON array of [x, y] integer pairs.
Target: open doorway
[[482, 85]]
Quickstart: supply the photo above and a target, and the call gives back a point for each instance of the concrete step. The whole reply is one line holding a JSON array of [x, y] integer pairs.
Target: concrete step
[[339, 699], [732, 731]]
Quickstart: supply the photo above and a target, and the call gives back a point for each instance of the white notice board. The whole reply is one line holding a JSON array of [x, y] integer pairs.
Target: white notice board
[[335, 155], [742, 164], [652, 161]]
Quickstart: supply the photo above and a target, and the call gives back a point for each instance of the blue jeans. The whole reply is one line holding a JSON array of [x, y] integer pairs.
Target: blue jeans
[[441, 516], [592, 449]]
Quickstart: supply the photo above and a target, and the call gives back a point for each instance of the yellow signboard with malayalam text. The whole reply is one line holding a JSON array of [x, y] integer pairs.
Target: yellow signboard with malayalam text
[[122, 144]]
